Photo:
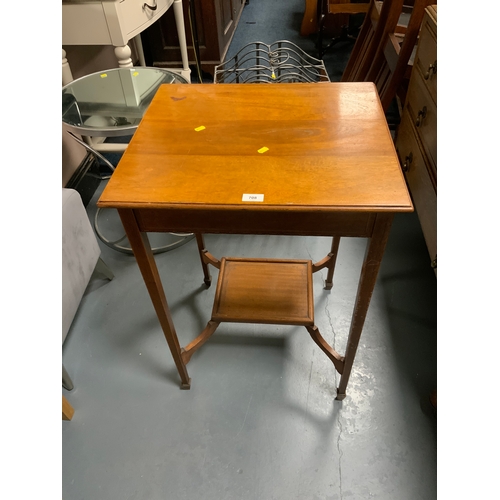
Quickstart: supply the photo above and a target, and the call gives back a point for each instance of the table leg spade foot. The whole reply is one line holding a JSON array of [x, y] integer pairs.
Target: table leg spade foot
[[340, 396], [186, 386]]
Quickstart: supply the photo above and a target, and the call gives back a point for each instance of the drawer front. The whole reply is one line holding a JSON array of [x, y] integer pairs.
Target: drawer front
[[419, 182], [426, 57], [135, 16], [423, 114]]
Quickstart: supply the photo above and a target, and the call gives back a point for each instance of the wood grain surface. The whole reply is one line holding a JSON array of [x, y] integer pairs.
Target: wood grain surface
[[328, 148]]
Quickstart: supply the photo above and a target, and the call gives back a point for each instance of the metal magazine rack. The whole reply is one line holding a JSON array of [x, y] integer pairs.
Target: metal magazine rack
[[279, 62]]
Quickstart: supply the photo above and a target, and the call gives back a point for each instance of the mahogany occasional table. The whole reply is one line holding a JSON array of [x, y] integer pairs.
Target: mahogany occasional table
[[277, 159]]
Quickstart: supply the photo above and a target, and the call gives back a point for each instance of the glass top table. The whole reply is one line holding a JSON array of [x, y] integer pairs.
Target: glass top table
[[111, 103]]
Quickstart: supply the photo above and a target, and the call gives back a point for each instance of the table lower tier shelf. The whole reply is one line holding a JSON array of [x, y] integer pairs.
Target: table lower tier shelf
[[268, 291], [264, 291]]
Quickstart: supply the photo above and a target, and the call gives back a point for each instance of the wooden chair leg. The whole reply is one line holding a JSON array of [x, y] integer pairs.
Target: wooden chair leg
[[67, 410]]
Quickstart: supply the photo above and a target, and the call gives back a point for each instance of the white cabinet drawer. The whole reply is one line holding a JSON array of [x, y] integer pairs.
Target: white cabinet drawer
[[108, 22], [135, 16]]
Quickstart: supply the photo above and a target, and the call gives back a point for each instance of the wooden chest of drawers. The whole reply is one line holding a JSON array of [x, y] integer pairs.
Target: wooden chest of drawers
[[416, 139]]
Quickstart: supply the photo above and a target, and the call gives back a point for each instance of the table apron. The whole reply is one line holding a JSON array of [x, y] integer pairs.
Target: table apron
[[272, 222]]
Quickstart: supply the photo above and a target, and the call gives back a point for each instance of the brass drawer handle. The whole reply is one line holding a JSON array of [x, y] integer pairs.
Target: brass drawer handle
[[431, 71], [407, 163], [151, 7], [421, 115]]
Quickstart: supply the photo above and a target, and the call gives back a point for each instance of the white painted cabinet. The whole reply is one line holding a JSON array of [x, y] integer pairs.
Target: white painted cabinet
[[116, 22]]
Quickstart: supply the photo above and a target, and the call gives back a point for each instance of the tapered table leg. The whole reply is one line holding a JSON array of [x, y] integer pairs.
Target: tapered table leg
[[207, 278], [142, 250], [371, 265], [331, 265]]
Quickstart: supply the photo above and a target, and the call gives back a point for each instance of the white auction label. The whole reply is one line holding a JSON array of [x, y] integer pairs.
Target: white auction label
[[253, 197]]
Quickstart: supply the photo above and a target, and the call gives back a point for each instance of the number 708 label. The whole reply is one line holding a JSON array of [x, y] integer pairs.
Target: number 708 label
[[253, 197]]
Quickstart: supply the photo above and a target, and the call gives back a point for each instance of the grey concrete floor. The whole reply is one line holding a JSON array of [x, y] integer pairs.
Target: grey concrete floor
[[260, 420]]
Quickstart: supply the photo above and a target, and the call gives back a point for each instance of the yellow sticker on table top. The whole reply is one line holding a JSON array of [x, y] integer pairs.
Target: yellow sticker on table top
[[262, 150], [201, 127], [104, 75], [135, 73]]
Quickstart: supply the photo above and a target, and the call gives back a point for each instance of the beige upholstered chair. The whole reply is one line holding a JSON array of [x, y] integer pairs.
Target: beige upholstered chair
[[80, 258]]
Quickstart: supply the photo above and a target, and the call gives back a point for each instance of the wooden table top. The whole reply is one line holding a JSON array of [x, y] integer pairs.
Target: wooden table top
[[318, 146]]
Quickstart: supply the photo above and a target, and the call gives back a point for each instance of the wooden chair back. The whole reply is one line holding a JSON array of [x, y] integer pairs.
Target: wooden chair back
[[380, 20], [392, 66], [382, 53]]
